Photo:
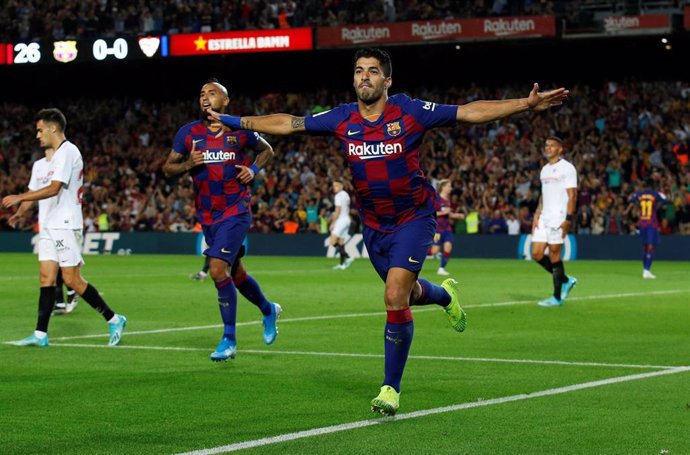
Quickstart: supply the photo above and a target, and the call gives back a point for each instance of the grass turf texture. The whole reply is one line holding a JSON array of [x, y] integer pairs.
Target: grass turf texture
[[133, 399]]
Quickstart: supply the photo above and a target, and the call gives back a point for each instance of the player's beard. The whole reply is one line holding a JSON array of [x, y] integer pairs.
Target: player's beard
[[370, 98]]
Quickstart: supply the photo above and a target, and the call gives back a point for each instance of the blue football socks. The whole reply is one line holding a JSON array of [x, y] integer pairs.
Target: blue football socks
[[227, 303], [397, 341]]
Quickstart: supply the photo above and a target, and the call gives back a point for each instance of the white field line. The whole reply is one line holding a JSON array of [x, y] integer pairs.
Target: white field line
[[426, 412], [374, 356], [377, 313], [98, 276]]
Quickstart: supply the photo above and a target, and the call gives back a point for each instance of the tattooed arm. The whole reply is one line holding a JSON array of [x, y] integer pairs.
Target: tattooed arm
[[279, 124], [177, 164]]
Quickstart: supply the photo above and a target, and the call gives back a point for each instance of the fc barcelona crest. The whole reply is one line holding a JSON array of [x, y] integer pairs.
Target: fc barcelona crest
[[232, 140], [393, 128], [65, 51]]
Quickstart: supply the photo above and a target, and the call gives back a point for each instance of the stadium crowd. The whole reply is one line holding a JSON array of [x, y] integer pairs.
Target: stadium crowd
[[620, 136], [29, 19]]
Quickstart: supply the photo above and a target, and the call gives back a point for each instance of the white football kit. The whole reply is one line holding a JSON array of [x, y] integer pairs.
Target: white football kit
[[342, 223], [60, 217], [556, 179]]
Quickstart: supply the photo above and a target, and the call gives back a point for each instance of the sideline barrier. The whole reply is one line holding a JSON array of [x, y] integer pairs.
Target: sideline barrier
[[614, 247]]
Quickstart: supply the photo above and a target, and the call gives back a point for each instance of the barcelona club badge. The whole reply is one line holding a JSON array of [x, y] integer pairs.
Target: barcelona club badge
[[232, 140], [393, 128]]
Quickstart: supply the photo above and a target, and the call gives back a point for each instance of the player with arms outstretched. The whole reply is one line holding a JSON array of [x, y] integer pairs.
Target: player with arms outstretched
[[219, 165], [381, 136]]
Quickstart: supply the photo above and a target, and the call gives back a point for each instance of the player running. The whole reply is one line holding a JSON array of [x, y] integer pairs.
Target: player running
[[340, 225], [217, 160], [381, 136]]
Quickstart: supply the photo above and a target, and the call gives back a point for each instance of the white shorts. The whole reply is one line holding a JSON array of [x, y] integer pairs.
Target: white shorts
[[341, 227], [62, 246], [548, 235]]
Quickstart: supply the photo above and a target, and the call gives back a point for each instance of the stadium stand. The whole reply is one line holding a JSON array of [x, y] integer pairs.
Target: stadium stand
[[619, 135]]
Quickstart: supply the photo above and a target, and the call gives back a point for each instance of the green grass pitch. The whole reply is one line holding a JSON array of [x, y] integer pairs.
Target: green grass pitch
[[508, 375]]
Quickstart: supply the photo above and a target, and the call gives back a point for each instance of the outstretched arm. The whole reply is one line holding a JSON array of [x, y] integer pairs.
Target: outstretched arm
[[487, 111], [279, 124]]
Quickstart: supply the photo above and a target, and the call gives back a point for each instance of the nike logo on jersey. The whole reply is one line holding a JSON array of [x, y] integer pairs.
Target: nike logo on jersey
[[412, 260], [352, 133], [195, 142], [224, 251]]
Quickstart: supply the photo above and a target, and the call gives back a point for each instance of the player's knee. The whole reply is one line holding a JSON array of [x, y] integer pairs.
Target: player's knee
[[46, 279], [74, 281], [218, 271], [396, 297], [537, 255]]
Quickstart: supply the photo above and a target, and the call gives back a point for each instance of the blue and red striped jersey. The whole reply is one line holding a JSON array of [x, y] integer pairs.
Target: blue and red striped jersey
[[219, 194], [648, 202], [384, 156], [444, 223]]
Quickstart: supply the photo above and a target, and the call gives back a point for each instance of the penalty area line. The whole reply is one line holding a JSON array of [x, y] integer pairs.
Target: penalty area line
[[426, 412]]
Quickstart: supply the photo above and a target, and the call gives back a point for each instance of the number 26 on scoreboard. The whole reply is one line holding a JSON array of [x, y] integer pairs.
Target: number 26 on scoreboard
[[27, 53]]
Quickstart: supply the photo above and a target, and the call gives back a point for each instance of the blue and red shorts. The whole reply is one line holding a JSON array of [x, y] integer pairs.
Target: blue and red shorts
[[405, 248], [224, 239]]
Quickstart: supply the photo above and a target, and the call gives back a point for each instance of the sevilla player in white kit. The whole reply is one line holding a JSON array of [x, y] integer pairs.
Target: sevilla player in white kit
[[61, 224], [553, 218]]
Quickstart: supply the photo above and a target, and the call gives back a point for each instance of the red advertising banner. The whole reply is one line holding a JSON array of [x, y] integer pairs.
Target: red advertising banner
[[291, 39], [439, 30], [3, 47], [686, 18], [636, 25]]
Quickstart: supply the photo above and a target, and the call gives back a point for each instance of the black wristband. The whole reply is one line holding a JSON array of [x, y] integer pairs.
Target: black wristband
[[569, 218]]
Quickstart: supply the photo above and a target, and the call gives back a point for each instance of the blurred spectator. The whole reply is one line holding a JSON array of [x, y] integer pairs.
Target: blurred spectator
[[494, 167]]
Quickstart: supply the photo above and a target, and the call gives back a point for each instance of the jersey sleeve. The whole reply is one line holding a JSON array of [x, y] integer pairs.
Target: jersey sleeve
[[571, 177], [327, 121], [252, 138], [430, 114], [180, 141], [60, 165]]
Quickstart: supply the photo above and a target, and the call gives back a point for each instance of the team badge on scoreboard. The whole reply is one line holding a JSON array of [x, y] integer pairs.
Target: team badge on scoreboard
[[393, 129], [65, 51], [149, 45]]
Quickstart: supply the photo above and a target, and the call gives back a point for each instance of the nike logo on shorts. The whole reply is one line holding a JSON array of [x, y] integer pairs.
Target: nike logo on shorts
[[412, 260], [224, 251]]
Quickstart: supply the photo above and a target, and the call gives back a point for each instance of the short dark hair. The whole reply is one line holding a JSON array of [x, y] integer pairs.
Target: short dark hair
[[380, 55], [52, 115], [214, 80], [555, 138]]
